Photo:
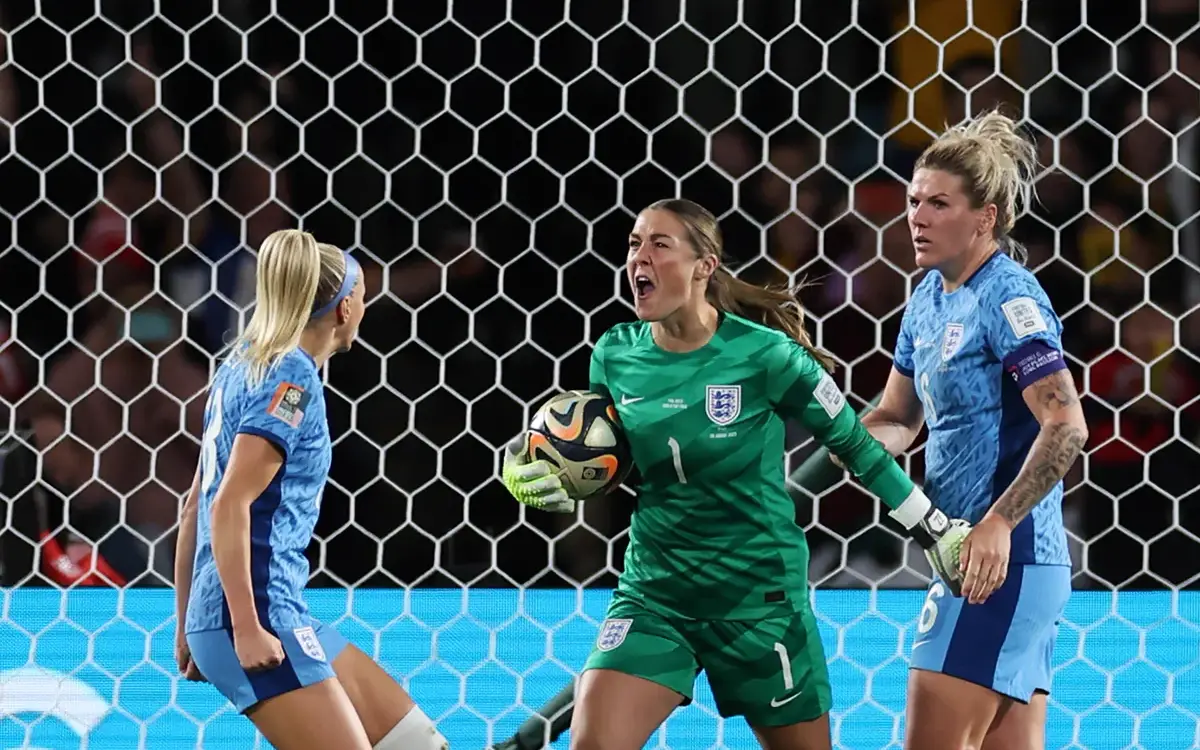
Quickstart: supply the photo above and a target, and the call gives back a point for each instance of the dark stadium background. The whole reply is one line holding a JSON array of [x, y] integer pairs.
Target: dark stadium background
[[521, 184]]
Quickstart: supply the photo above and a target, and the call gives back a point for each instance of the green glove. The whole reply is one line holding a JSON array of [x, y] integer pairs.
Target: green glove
[[943, 554], [939, 536], [533, 483]]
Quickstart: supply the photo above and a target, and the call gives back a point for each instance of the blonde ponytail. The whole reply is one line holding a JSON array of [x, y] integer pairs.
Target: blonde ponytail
[[997, 163], [289, 271], [775, 308]]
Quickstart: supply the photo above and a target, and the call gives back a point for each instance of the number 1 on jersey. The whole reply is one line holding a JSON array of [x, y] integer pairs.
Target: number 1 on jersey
[[677, 459]]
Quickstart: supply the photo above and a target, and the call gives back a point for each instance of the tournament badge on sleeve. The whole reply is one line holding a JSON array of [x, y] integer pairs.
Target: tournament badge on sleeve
[[288, 404], [612, 634]]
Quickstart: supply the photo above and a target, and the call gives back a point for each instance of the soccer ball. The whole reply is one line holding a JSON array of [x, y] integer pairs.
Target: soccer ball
[[578, 434]]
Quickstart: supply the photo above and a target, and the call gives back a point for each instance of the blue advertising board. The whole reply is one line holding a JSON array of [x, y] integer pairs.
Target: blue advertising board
[[95, 669]]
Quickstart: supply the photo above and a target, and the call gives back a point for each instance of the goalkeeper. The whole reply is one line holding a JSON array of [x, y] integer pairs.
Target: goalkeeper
[[716, 573]]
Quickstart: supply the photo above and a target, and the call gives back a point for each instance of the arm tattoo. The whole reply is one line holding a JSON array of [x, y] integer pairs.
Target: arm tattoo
[[1053, 452], [1056, 392]]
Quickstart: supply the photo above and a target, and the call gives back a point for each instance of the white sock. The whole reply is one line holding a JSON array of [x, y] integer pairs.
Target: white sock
[[414, 732]]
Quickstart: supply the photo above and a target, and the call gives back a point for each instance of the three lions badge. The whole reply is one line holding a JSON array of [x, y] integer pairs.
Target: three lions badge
[[952, 340], [723, 403], [612, 634]]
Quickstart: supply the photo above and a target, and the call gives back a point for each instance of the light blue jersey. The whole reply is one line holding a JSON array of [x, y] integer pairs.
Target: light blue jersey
[[288, 409], [971, 353]]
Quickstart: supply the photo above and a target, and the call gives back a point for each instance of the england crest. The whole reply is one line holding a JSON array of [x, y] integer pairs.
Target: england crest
[[309, 643], [952, 340], [612, 634], [723, 403]]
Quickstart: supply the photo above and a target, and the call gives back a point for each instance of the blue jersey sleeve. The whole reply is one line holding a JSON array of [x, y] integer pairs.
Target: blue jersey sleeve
[[1022, 328], [276, 409]]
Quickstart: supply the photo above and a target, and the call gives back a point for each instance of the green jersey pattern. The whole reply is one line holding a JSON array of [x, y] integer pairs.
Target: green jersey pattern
[[714, 535]]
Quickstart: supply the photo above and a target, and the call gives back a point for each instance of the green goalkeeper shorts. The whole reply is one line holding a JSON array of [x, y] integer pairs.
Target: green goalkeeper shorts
[[770, 671]]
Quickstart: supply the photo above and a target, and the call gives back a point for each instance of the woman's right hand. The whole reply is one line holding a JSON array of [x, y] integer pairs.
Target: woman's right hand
[[257, 649], [533, 483], [183, 657]]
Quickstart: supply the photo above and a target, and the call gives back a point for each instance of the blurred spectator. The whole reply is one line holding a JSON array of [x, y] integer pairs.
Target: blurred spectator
[[730, 151], [915, 59], [1137, 417], [1119, 378], [1117, 250], [119, 419], [439, 188], [196, 239], [792, 200], [973, 85]]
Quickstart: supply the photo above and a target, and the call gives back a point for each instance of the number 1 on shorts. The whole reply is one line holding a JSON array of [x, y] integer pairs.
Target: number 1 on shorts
[[785, 663]]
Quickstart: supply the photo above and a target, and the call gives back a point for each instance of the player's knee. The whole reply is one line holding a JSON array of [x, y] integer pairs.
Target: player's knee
[[414, 732]]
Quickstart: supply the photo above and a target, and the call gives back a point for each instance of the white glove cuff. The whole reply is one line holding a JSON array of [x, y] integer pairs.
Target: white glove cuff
[[913, 510]]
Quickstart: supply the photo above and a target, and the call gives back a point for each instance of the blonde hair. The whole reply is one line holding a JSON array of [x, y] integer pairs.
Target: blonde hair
[[776, 308], [997, 163], [296, 274]]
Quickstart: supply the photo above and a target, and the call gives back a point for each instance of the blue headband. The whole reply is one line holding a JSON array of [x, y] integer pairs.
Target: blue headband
[[348, 282]]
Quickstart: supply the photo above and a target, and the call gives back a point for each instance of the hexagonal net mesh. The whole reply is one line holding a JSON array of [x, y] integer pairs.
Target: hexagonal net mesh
[[485, 162]]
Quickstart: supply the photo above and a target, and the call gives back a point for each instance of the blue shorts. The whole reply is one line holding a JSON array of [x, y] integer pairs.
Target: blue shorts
[[1005, 644], [308, 659]]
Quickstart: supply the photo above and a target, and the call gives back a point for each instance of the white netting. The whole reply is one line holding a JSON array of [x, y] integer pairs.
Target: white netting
[[485, 161]]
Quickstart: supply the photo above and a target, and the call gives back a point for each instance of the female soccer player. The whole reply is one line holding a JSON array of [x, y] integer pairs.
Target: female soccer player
[[240, 563], [716, 574], [979, 361]]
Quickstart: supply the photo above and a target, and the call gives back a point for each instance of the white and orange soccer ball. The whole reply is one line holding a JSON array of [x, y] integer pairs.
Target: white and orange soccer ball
[[579, 435]]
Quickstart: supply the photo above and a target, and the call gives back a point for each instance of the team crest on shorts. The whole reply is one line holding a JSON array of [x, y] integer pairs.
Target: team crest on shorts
[[952, 341], [309, 643], [612, 634], [723, 403]]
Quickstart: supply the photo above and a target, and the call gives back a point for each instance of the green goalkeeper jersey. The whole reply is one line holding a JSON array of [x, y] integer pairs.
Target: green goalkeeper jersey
[[714, 536]]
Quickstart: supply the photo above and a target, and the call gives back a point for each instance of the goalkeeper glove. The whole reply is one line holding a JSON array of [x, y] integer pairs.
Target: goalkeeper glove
[[940, 537], [533, 483]]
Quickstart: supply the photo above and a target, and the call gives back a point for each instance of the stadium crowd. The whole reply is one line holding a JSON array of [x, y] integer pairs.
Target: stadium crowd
[[135, 206]]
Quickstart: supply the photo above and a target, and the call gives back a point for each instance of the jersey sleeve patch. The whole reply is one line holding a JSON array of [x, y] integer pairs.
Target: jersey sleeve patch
[[829, 396], [288, 404], [1024, 317]]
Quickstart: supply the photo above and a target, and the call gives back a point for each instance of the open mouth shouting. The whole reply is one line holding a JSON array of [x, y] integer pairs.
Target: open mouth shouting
[[643, 285]]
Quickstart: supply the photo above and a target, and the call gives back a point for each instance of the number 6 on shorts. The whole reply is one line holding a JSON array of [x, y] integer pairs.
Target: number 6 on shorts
[[929, 612]]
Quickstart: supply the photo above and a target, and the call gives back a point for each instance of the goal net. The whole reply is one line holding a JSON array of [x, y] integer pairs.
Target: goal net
[[485, 160]]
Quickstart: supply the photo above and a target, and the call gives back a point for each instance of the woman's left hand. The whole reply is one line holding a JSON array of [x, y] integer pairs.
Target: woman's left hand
[[984, 558]]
